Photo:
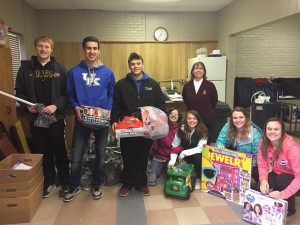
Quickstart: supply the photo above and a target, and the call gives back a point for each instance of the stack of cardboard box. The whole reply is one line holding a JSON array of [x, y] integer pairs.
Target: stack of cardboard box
[[21, 190]]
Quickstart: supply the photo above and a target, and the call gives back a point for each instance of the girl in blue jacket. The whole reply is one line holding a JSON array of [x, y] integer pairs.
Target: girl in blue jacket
[[242, 135]]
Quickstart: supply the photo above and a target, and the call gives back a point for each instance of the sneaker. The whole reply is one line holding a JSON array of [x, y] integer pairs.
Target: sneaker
[[63, 190], [71, 194], [197, 184], [97, 193], [123, 192], [86, 188], [46, 192], [144, 191]]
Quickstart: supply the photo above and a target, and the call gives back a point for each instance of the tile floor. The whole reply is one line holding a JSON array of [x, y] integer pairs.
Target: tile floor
[[201, 208]]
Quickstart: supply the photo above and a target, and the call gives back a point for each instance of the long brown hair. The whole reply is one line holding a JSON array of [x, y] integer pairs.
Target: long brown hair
[[198, 64], [179, 115], [232, 130], [200, 129], [266, 141]]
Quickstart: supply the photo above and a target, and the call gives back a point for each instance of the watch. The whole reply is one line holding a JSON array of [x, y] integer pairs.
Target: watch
[[160, 34]]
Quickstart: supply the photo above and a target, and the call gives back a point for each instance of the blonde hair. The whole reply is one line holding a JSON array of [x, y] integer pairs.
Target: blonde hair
[[44, 39]]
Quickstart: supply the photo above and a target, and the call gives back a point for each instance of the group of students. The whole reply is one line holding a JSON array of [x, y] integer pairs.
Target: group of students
[[276, 157]]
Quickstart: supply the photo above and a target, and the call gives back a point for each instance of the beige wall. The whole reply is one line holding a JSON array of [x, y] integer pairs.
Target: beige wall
[[22, 19], [73, 26], [242, 15]]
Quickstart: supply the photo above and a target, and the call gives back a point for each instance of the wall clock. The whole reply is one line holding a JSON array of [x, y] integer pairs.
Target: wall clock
[[160, 34]]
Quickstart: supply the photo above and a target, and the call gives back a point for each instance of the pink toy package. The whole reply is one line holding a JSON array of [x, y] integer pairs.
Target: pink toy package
[[261, 209], [226, 173]]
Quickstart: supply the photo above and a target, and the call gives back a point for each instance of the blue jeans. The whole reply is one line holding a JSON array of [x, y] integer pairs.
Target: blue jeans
[[157, 167], [80, 138]]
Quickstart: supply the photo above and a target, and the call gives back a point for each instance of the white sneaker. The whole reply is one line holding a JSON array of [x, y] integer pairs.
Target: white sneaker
[[198, 184]]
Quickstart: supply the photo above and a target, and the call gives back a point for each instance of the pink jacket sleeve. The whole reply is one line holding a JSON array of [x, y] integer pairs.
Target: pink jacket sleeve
[[293, 156]]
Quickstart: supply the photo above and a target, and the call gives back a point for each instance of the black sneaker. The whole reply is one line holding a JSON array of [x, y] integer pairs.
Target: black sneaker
[[46, 192], [63, 191], [97, 193], [71, 194]]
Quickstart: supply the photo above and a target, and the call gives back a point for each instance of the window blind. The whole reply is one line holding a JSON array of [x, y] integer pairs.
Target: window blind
[[16, 43]]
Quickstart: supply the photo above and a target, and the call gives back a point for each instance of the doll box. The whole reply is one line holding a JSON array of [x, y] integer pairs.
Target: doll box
[[263, 210]]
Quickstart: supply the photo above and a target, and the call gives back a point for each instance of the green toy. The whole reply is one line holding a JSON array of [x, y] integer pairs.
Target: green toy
[[181, 181]]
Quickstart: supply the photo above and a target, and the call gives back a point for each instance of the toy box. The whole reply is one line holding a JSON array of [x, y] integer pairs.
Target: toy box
[[263, 210], [95, 117], [149, 122], [226, 173]]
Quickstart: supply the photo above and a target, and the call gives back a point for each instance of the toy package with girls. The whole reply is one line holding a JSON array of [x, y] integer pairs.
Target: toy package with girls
[[95, 117], [149, 122], [261, 209]]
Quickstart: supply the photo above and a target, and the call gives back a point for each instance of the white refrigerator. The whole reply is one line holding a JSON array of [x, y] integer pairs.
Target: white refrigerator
[[215, 72]]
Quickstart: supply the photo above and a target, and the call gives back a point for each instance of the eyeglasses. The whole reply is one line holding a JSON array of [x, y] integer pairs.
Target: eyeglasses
[[174, 114]]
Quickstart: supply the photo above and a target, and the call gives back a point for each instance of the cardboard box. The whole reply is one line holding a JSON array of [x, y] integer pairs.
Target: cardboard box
[[261, 209], [8, 175], [22, 209], [14, 190]]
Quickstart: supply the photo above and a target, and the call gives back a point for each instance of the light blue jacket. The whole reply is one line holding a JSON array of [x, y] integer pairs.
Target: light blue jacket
[[248, 146]]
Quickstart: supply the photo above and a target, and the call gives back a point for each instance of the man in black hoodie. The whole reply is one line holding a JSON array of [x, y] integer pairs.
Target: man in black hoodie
[[43, 80], [137, 89]]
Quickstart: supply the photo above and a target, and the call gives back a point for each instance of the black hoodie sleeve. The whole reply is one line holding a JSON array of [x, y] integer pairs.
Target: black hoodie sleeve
[[159, 97]]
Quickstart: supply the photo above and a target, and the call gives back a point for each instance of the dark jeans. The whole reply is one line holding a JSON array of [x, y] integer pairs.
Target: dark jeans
[[80, 138], [135, 153], [279, 182], [254, 174], [51, 143], [210, 131], [195, 159]]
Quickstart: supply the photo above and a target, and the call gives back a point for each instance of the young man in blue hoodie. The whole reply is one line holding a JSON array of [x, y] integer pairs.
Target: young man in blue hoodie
[[137, 89], [90, 83]]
